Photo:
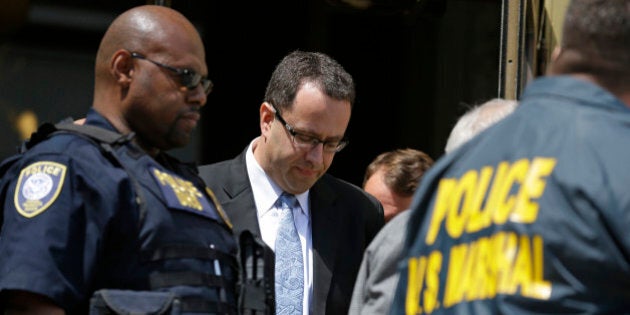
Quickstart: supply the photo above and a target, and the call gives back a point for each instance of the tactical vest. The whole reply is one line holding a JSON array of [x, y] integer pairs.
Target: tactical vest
[[182, 262], [182, 278]]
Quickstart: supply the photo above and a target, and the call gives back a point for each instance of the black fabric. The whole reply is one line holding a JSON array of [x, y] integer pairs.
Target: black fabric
[[191, 278], [175, 251], [257, 295], [192, 305]]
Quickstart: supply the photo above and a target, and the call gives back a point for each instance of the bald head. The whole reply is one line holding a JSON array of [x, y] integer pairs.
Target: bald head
[[596, 45], [144, 28], [143, 69]]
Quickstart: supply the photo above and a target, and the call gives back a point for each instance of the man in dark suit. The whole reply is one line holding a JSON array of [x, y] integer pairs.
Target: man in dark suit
[[303, 120]]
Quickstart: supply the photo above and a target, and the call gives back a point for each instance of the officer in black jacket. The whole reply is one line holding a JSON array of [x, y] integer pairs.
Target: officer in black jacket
[[81, 215]]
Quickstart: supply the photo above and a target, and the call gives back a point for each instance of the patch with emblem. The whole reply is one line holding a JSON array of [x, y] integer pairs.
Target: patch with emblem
[[182, 194], [38, 187]]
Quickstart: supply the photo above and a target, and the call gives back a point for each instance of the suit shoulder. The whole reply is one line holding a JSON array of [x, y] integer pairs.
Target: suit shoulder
[[214, 170], [213, 167], [346, 188], [339, 183], [355, 202], [222, 168]]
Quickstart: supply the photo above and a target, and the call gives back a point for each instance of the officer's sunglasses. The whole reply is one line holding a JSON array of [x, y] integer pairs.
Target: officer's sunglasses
[[188, 78]]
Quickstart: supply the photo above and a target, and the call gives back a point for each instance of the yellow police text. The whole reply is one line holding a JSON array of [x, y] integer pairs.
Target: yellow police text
[[187, 194], [474, 201], [503, 263]]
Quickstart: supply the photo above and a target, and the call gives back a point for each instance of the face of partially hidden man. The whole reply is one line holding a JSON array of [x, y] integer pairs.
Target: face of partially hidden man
[[392, 202]]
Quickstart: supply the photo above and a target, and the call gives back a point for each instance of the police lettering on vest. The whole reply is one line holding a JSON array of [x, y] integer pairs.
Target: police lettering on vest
[[498, 263]]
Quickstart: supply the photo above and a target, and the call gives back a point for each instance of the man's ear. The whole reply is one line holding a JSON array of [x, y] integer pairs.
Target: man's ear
[[555, 54], [121, 67], [267, 116]]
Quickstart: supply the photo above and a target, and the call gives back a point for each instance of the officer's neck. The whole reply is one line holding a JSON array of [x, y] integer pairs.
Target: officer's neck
[[150, 150]]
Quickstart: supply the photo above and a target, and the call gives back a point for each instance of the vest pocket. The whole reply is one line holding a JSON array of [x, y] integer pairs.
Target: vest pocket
[[111, 301]]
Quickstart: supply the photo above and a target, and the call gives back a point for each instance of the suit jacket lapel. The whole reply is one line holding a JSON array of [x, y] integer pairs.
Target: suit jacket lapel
[[324, 231], [240, 204], [241, 209]]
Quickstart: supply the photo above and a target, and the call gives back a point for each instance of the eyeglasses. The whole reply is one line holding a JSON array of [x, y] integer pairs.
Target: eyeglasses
[[306, 142], [188, 78]]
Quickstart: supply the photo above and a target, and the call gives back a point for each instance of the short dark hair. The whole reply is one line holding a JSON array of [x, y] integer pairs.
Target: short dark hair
[[300, 67], [402, 168], [599, 32]]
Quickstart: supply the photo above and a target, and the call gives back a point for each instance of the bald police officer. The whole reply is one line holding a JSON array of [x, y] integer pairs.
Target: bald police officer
[[83, 213]]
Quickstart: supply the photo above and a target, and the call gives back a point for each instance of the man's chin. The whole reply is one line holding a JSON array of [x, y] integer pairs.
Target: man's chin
[[172, 143], [302, 185], [179, 143]]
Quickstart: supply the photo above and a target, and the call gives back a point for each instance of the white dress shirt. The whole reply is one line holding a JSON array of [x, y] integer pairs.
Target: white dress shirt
[[266, 192]]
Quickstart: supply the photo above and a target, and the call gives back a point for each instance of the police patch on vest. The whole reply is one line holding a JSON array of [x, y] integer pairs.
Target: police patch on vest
[[181, 194], [38, 187]]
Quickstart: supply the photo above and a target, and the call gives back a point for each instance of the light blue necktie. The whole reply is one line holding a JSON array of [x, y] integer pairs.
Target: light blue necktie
[[289, 266]]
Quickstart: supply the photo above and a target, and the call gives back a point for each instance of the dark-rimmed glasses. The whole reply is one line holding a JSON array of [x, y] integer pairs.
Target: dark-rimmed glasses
[[306, 142], [188, 78]]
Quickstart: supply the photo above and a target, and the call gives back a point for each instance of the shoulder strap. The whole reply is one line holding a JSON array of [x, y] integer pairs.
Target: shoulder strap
[[97, 133], [107, 140]]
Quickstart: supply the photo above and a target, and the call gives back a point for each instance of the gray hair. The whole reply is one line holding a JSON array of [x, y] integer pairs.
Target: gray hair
[[477, 119]]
